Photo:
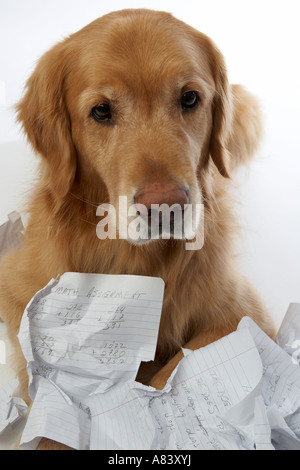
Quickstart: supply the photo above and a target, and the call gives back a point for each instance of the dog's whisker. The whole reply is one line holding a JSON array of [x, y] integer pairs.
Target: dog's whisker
[[87, 221], [92, 203]]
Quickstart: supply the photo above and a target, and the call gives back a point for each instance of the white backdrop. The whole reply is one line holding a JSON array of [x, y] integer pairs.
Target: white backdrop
[[260, 40]]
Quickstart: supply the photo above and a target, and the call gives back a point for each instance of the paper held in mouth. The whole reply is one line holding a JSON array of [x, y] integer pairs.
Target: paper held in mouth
[[84, 336]]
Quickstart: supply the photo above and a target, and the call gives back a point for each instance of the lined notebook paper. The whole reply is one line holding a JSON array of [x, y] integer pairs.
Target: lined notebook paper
[[188, 413], [84, 337], [241, 392], [104, 325], [81, 335]]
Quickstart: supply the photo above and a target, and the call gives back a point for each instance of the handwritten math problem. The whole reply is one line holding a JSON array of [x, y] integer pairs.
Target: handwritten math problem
[[189, 415], [103, 322]]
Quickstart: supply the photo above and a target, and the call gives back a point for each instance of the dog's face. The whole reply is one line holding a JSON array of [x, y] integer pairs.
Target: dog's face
[[141, 112], [137, 101]]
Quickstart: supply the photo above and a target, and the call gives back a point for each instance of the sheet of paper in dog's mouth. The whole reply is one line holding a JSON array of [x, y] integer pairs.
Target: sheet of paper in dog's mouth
[[97, 326]]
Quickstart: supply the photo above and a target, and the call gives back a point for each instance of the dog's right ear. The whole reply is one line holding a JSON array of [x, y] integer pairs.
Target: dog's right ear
[[44, 116]]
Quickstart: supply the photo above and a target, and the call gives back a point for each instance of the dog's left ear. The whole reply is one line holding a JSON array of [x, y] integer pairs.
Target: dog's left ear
[[236, 117], [44, 116], [246, 127]]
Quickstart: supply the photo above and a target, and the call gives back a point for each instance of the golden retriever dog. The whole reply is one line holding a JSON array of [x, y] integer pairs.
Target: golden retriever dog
[[138, 104]]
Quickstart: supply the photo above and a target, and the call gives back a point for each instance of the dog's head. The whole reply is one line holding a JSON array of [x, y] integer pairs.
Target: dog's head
[[138, 103]]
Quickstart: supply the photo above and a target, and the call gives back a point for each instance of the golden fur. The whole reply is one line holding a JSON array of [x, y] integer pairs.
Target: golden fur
[[141, 61]]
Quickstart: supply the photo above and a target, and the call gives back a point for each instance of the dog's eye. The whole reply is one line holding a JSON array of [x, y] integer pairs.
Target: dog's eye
[[189, 100], [101, 112]]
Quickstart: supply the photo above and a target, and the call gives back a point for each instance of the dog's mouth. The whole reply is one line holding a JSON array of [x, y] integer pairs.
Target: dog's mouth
[[140, 224], [157, 224], [163, 224]]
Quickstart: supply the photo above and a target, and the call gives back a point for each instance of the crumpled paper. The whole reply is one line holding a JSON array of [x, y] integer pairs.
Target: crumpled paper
[[241, 392], [12, 409], [11, 233]]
